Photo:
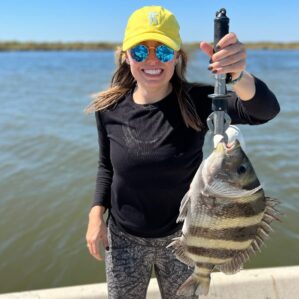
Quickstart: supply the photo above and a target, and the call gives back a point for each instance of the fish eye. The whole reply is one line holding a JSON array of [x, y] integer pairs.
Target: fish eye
[[241, 169]]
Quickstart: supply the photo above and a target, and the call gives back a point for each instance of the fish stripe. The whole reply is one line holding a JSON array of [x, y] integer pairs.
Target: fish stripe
[[218, 253], [233, 234], [203, 271], [216, 243], [205, 259], [202, 276], [217, 208], [205, 266], [224, 222], [245, 199]]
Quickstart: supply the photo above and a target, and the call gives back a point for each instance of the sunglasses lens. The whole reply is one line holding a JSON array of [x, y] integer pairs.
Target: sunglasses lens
[[139, 53], [164, 53]]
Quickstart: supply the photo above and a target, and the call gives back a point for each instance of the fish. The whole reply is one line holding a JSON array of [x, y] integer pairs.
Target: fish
[[226, 217]]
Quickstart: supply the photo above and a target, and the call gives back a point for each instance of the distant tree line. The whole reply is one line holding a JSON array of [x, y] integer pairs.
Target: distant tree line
[[55, 46], [98, 46]]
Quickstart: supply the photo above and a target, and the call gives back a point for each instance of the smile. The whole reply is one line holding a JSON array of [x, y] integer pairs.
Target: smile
[[152, 71]]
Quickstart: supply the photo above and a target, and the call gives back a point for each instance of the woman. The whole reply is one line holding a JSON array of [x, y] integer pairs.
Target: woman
[[151, 127]]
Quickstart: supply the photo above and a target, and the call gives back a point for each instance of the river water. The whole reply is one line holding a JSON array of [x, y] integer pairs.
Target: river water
[[48, 161]]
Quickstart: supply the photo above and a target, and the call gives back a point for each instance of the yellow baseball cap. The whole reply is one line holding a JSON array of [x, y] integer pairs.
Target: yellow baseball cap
[[152, 23]]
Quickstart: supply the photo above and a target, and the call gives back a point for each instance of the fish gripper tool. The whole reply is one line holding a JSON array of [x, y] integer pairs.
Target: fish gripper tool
[[218, 121]]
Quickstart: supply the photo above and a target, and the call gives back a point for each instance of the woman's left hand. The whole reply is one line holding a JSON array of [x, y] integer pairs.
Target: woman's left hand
[[230, 58]]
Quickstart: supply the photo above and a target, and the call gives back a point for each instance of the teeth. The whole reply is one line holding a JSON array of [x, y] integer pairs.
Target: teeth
[[153, 72]]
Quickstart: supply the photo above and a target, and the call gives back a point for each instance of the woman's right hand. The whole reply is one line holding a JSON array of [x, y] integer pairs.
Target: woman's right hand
[[96, 234]]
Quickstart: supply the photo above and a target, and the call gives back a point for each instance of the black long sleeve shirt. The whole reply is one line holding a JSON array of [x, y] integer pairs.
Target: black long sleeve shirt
[[148, 157]]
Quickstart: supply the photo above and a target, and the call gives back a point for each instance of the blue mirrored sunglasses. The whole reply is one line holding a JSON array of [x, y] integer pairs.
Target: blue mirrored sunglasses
[[140, 52]]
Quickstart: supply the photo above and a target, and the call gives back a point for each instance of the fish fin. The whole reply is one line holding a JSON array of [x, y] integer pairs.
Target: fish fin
[[263, 232], [184, 208], [271, 211], [194, 285], [180, 251], [234, 265], [223, 189]]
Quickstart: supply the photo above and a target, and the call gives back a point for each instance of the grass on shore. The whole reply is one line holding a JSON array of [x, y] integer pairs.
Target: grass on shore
[[97, 46]]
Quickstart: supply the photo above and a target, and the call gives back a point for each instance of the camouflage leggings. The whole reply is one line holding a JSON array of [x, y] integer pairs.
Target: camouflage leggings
[[130, 261]]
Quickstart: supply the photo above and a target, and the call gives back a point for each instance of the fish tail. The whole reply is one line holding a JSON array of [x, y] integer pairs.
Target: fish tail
[[195, 285]]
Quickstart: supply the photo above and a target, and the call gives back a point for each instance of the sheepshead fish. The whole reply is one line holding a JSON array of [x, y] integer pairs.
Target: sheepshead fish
[[226, 217]]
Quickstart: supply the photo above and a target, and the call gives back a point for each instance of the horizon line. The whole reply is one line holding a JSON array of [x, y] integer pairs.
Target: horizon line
[[119, 42]]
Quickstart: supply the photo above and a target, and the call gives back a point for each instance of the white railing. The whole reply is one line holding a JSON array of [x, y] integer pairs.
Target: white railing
[[274, 283]]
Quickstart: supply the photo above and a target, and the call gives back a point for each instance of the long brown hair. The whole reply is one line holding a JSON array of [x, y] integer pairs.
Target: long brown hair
[[123, 81]]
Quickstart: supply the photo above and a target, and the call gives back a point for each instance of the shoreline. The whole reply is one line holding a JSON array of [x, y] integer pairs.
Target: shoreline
[[7, 46], [277, 282]]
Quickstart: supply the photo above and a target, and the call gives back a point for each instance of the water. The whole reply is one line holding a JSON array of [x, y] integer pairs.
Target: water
[[48, 162]]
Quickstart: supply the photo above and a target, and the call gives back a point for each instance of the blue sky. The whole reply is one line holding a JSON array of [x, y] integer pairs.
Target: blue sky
[[98, 20]]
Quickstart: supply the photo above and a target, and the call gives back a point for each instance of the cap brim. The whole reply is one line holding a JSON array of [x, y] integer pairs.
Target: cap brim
[[151, 36]]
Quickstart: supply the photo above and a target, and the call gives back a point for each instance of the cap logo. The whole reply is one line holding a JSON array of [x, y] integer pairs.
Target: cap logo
[[152, 17]]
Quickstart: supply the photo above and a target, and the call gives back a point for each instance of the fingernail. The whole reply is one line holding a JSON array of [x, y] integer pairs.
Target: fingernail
[[218, 48], [211, 60], [210, 68], [214, 72], [107, 248]]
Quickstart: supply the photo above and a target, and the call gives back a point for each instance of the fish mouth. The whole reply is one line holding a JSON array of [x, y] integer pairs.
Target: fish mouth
[[223, 148], [220, 148], [232, 146]]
